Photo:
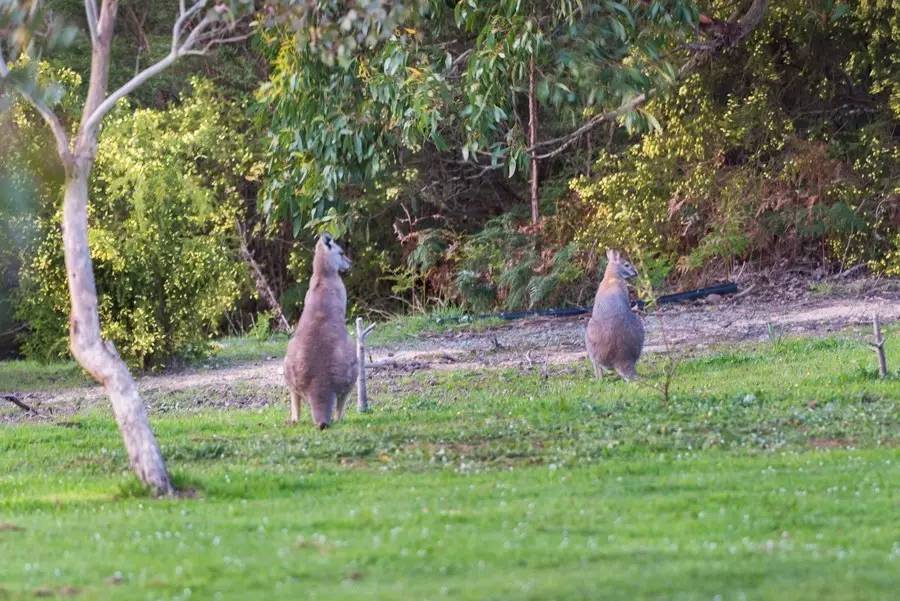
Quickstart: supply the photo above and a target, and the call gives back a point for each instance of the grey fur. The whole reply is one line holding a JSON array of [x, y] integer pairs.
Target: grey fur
[[615, 335], [320, 365]]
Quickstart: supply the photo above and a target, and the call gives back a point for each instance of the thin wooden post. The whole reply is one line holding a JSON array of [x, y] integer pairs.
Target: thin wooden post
[[362, 399], [878, 346], [532, 141]]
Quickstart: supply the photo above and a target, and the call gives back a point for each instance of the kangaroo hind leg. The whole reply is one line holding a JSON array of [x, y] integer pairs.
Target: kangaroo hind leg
[[296, 401]]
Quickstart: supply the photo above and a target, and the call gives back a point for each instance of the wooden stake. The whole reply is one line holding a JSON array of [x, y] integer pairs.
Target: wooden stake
[[878, 346], [362, 399]]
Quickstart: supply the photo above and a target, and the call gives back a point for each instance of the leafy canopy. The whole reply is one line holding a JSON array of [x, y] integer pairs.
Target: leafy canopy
[[454, 83]]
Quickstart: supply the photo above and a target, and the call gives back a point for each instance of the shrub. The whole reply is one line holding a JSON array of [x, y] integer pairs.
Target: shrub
[[765, 156], [164, 201]]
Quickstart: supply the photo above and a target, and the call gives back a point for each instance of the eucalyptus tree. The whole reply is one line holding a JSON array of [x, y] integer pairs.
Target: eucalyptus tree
[[470, 84], [28, 30]]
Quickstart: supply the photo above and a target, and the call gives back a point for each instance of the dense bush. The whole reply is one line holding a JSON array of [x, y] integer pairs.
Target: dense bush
[[769, 156], [785, 149], [30, 176], [16, 233], [164, 204]]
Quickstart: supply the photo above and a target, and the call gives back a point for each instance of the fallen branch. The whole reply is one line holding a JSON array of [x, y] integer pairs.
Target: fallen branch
[[18, 403], [743, 292], [847, 272]]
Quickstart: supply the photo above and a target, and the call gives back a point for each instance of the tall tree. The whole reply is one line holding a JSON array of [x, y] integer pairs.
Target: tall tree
[[461, 82]]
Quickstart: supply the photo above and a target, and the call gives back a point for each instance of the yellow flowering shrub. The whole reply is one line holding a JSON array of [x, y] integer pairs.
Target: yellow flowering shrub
[[164, 199]]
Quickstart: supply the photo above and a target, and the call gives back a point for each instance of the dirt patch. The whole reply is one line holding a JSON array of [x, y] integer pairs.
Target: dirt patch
[[771, 308], [832, 443]]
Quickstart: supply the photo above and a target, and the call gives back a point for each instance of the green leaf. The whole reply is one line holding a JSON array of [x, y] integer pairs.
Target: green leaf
[[839, 11], [542, 90], [652, 122], [439, 142]]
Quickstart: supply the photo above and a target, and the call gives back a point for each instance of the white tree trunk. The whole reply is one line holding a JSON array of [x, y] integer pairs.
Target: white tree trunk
[[95, 355], [532, 141]]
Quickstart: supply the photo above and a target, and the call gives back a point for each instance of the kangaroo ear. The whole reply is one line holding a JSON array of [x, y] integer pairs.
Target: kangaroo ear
[[327, 239], [612, 255]]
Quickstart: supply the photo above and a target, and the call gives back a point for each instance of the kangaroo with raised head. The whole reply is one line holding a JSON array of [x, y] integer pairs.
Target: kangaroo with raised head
[[320, 365], [615, 335]]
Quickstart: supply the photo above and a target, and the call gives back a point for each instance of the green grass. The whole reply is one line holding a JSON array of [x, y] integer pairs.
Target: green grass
[[405, 327], [772, 473], [29, 376]]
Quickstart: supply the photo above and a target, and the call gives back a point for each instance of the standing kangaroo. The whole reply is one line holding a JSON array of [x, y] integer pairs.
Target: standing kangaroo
[[320, 365], [615, 335]]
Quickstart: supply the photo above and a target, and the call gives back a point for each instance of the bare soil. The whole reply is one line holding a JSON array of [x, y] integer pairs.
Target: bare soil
[[767, 309]]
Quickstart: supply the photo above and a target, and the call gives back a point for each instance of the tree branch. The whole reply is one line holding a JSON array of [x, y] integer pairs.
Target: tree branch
[[463, 56], [217, 42], [90, 11], [262, 284], [184, 15], [56, 127], [569, 139], [732, 34], [178, 49], [93, 121], [195, 34]]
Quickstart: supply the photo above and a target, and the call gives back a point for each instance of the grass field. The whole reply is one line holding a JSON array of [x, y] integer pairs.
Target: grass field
[[772, 472]]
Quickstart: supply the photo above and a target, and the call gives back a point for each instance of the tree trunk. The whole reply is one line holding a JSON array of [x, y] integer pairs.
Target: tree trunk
[[95, 355], [532, 141], [263, 289]]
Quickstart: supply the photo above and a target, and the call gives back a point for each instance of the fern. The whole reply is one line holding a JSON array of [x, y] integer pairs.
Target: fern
[[474, 290], [515, 280], [541, 287], [429, 252]]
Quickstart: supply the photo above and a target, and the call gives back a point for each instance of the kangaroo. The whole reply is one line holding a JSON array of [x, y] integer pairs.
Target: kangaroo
[[320, 364], [615, 335]]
